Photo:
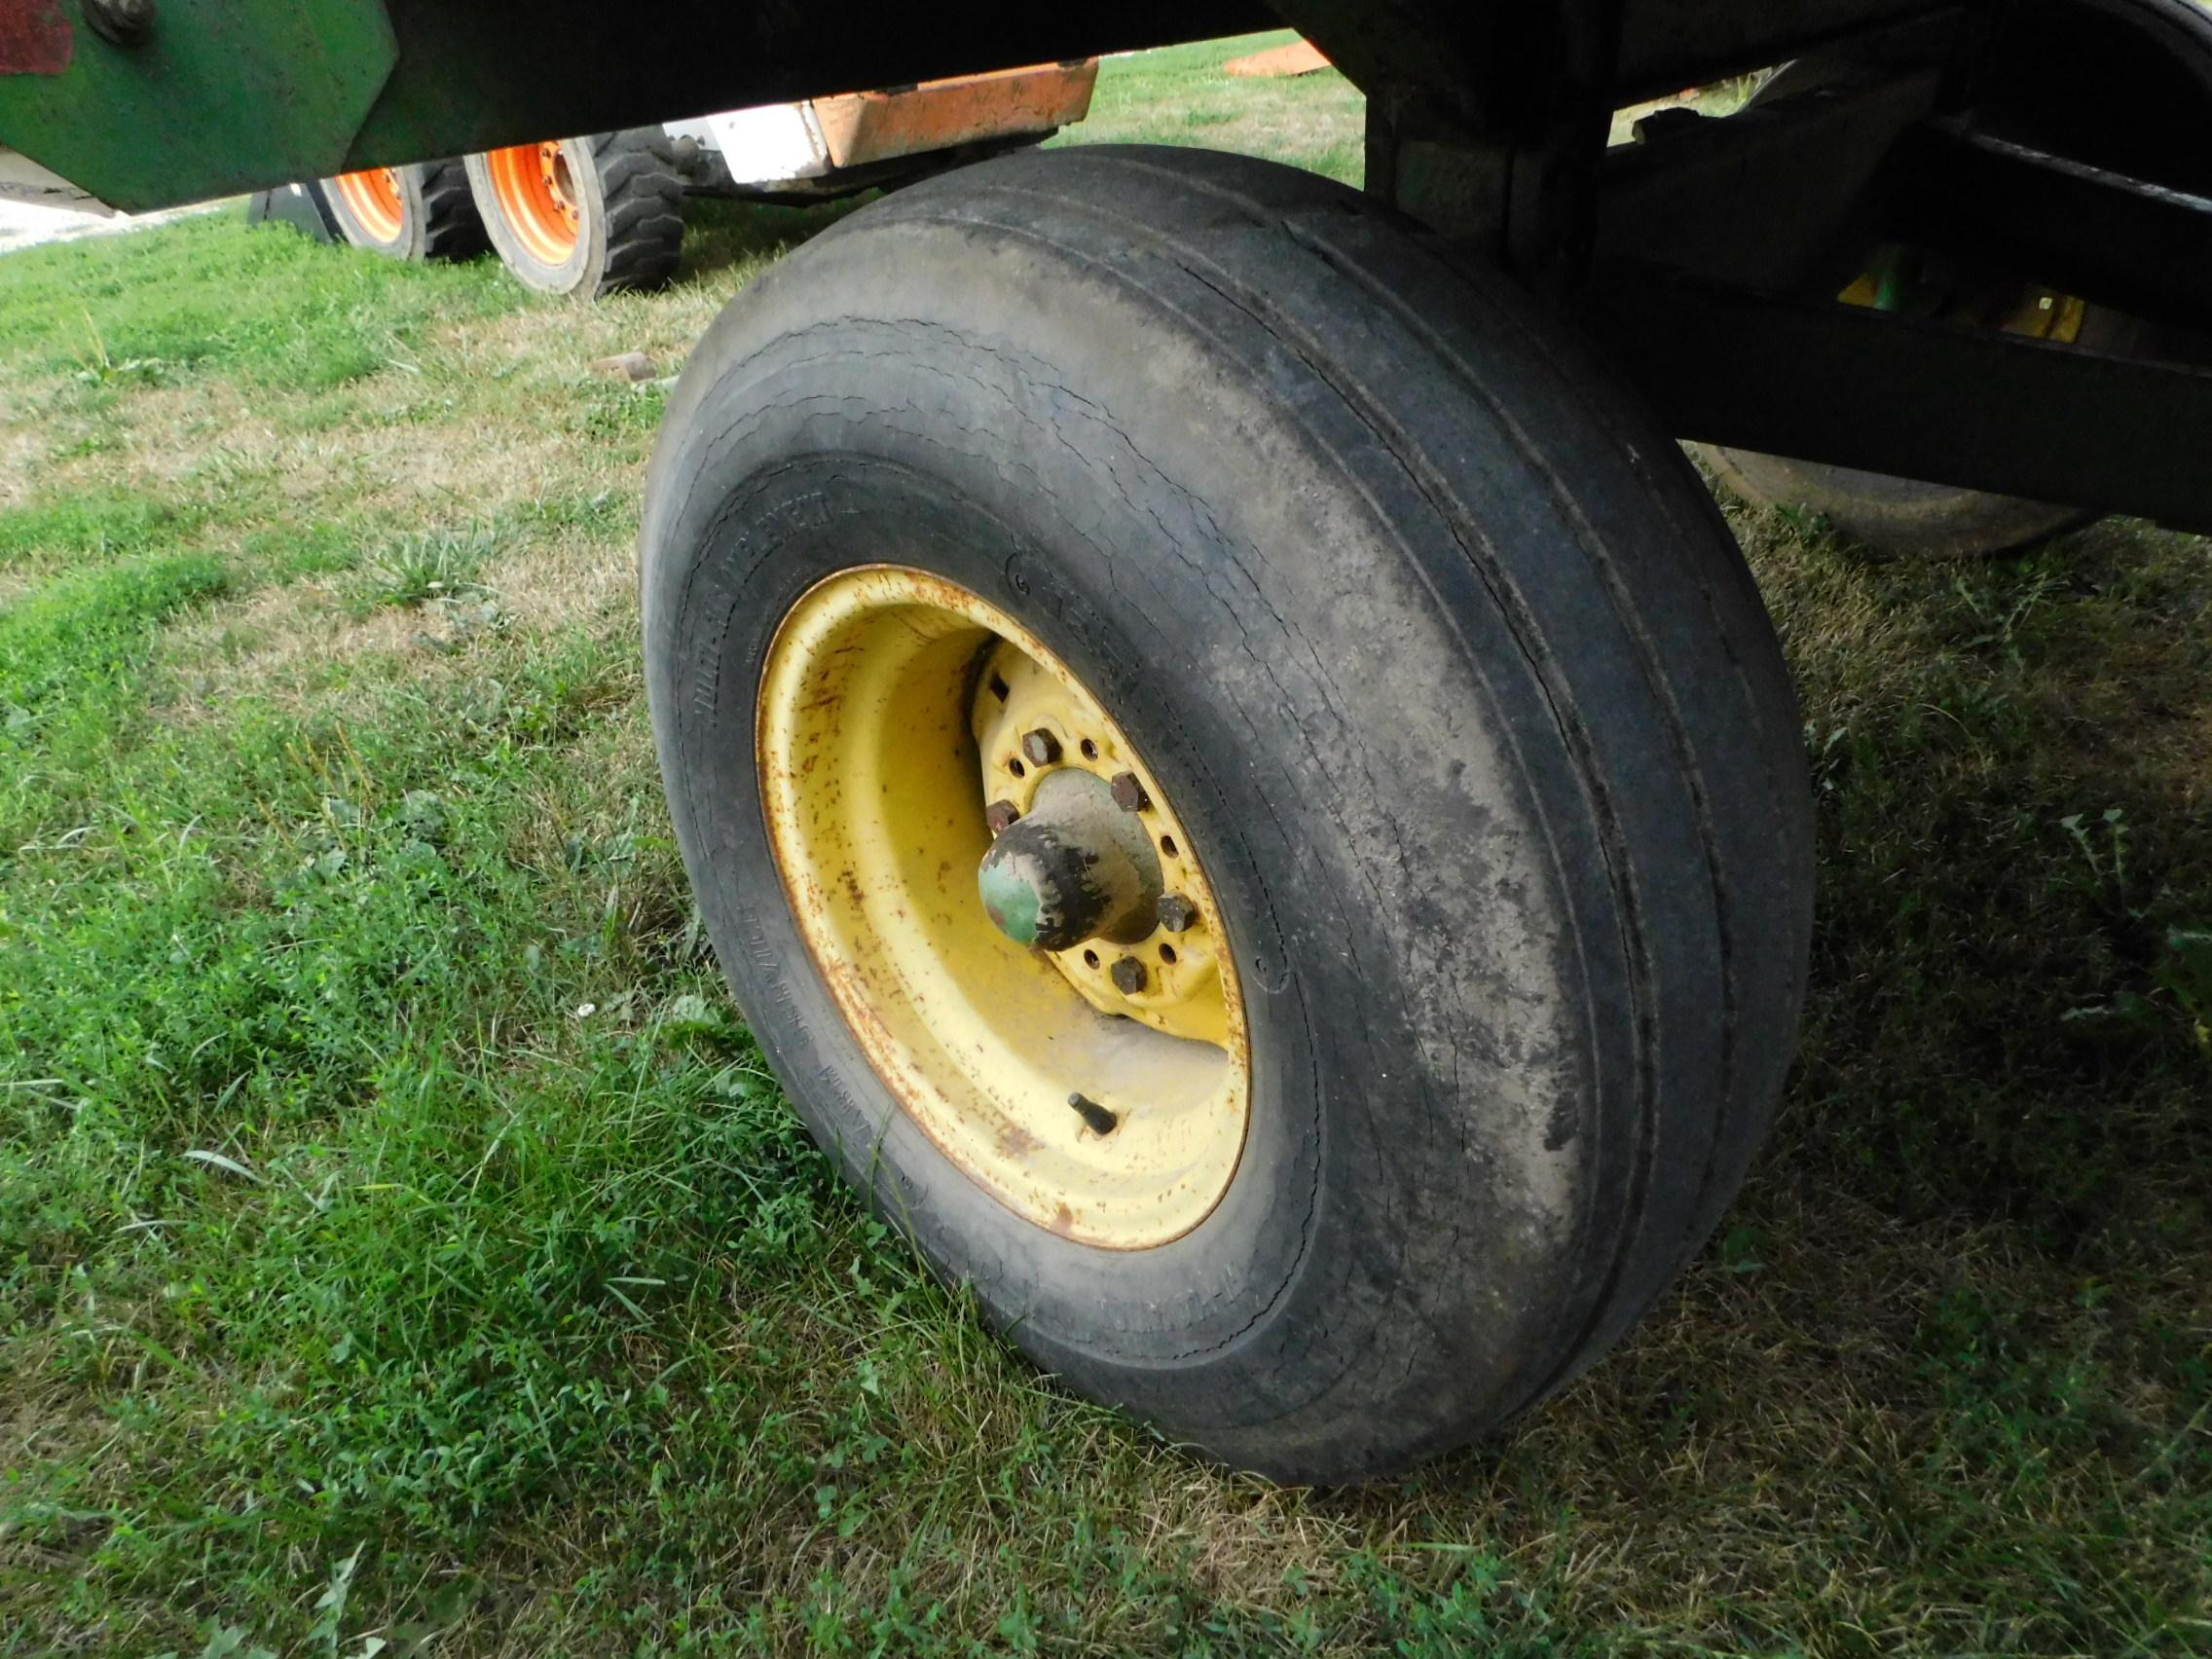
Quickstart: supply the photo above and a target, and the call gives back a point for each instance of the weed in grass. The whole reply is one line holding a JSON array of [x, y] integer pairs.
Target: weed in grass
[[432, 564]]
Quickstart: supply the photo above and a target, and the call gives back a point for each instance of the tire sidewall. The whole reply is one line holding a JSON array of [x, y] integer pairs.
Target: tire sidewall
[[1208, 1285]]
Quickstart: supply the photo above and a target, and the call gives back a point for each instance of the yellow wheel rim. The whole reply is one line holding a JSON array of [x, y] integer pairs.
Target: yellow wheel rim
[[376, 201], [536, 191], [1101, 1090]]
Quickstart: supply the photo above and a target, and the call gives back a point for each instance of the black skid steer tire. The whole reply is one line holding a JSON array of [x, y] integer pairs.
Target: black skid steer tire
[[628, 196]]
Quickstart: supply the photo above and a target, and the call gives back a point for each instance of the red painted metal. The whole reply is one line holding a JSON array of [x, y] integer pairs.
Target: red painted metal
[[35, 38]]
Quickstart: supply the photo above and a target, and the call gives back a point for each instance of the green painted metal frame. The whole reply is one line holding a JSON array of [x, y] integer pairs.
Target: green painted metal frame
[[179, 114], [228, 95]]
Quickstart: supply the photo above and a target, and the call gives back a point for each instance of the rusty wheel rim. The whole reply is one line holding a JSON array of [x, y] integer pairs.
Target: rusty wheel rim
[[1098, 1086]]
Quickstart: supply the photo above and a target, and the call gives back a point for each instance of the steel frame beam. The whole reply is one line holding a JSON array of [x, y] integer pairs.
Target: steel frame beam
[[1966, 407], [2137, 246]]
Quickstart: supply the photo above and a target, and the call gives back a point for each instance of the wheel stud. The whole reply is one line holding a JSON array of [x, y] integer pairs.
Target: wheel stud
[[1042, 748], [1001, 815], [1176, 912], [121, 23], [1095, 1116], [1128, 794], [1130, 977]]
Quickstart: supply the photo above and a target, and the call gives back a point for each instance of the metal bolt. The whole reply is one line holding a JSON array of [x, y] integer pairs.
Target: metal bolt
[[1042, 748], [1001, 815], [1100, 1120], [1176, 913], [121, 23], [1129, 976], [1128, 794]]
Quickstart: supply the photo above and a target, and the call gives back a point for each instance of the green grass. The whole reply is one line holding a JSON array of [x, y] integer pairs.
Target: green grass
[[1181, 96], [401, 1241]]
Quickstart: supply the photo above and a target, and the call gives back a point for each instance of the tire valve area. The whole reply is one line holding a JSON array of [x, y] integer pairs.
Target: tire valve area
[[1095, 1116]]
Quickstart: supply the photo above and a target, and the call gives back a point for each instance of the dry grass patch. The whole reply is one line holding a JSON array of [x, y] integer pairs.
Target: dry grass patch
[[22, 456], [283, 647], [569, 580]]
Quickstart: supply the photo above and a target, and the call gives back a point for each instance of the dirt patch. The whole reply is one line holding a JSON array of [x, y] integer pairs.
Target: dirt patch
[[22, 455]]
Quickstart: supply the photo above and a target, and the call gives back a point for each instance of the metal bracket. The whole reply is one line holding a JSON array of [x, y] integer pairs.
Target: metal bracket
[[1763, 199]]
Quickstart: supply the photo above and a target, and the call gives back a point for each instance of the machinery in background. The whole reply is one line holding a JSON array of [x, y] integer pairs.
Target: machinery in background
[[600, 214]]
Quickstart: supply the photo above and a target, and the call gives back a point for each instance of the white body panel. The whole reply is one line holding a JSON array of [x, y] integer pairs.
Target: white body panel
[[772, 144]]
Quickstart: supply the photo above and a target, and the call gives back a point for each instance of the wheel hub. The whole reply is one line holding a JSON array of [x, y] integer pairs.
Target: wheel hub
[[378, 200], [1078, 869]]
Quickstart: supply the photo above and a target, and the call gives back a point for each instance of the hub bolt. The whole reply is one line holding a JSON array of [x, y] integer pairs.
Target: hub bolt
[[1041, 747], [1001, 815], [1130, 977], [1176, 912], [1128, 794], [121, 23]]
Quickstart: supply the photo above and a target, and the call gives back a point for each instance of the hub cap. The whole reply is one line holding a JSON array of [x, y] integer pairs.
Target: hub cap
[[1010, 917]]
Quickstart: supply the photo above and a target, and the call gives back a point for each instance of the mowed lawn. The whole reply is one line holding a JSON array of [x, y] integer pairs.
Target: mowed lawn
[[402, 1242]]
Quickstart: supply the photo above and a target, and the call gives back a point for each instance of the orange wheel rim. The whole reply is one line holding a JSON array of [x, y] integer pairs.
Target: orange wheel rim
[[374, 198], [537, 193]]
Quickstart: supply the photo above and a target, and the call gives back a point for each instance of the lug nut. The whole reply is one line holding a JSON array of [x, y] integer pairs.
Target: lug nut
[[1042, 748], [1176, 913], [1128, 794], [1001, 816], [1098, 1117], [1129, 976]]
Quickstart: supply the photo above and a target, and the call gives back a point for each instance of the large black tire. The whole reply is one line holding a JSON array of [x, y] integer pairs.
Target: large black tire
[[438, 217], [1445, 656], [629, 193]]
